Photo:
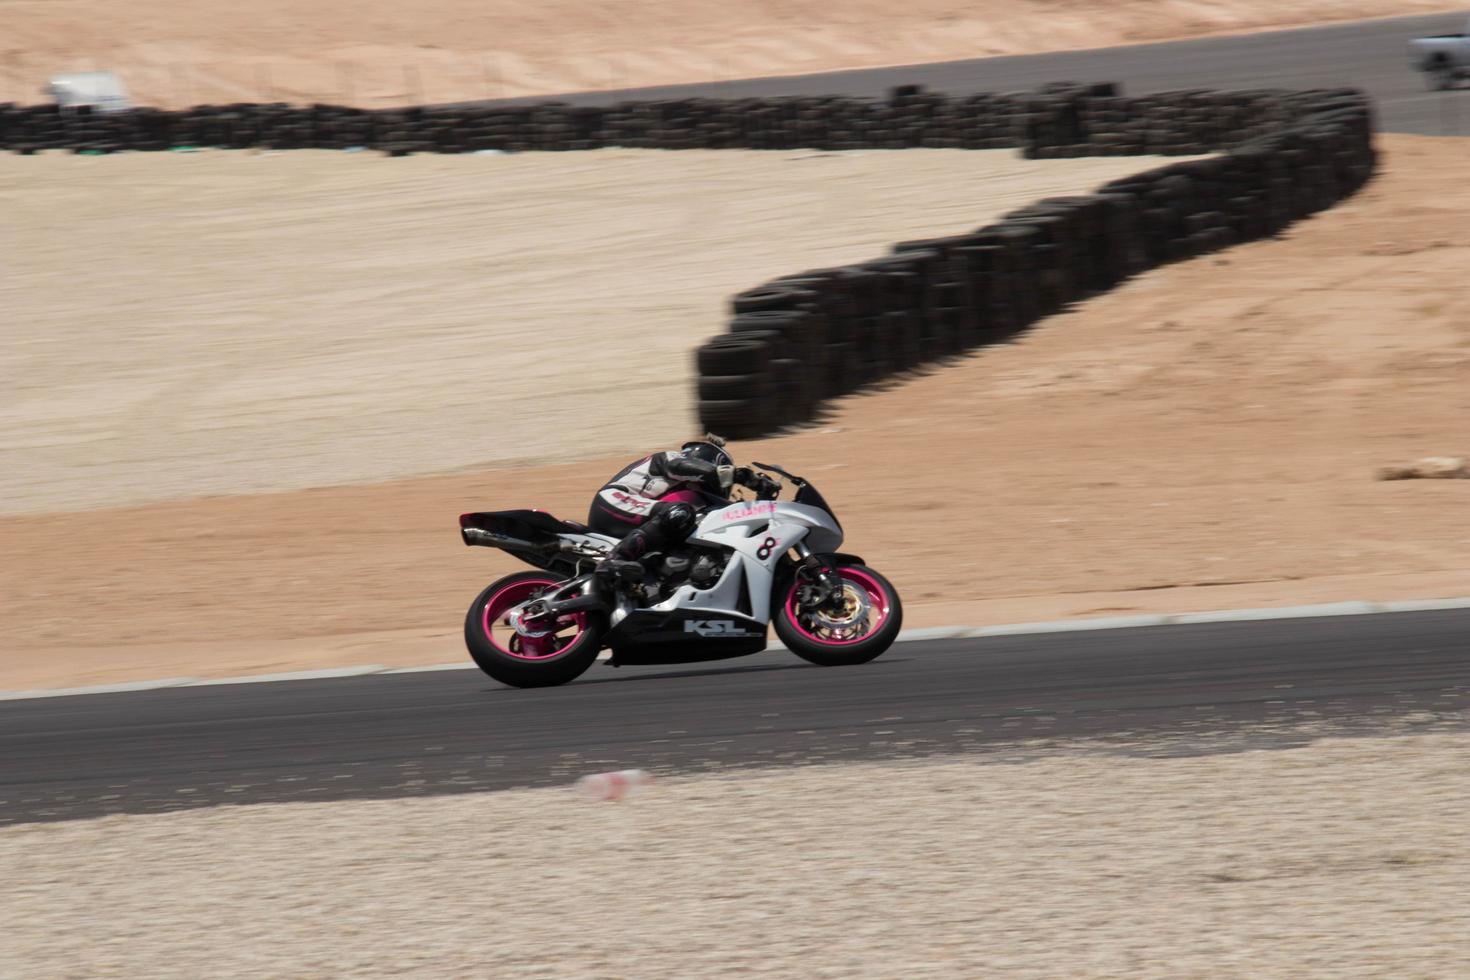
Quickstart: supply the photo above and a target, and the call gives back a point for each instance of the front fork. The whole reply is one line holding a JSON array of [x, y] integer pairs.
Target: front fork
[[817, 582]]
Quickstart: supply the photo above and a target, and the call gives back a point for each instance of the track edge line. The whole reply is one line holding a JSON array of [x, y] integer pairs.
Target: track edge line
[[1319, 610]]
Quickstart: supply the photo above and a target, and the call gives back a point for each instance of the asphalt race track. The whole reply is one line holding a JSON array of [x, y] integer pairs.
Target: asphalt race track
[[1371, 55], [1183, 689], [1167, 689]]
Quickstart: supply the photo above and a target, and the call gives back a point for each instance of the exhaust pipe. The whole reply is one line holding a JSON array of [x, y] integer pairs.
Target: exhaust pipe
[[490, 539]]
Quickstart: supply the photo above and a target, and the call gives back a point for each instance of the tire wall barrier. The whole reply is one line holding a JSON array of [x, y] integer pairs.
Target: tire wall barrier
[[909, 118], [817, 334]]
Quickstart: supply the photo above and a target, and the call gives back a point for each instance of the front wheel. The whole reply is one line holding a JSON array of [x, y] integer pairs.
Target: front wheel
[[553, 654], [852, 628]]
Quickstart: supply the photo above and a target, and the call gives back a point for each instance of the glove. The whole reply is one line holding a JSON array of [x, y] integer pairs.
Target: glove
[[763, 485]]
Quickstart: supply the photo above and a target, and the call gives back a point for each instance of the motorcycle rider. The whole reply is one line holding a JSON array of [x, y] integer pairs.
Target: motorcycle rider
[[654, 503]]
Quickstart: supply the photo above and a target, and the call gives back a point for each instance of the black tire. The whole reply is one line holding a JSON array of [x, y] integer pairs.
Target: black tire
[[772, 297], [738, 418], [794, 390], [775, 341], [870, 647], [729, 355], [782, 321], [725, 387], [565, 665], [838, 368]]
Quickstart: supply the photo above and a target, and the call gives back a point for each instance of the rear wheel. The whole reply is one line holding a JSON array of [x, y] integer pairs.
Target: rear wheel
[[852, 628], [553, 653]]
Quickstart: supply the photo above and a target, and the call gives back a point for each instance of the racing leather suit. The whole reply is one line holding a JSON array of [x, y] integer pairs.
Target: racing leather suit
[[654, 503]]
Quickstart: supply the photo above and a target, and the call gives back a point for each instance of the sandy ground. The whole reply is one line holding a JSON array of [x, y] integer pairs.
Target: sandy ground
[[1205, 437], [1346, 858], [377, 53], [234, 322], [1202, 438]]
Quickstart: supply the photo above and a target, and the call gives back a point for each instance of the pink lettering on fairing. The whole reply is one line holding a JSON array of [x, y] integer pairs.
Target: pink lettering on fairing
[[749, 511]]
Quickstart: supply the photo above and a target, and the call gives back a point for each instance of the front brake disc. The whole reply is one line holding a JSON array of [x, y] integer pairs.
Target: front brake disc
[[854, 612]]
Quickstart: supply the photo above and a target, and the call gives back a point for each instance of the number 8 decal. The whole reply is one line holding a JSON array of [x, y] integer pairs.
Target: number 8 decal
[[767, 546]]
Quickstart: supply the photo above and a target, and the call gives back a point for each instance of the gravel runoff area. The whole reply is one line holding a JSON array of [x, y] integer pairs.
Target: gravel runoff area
[[235, 322], [1346, 857]]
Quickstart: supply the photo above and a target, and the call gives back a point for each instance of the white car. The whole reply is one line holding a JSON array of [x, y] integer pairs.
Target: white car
[[102, 90], [1445, 58]]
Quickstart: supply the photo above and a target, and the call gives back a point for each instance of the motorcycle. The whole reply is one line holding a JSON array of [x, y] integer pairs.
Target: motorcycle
[[748, 564]]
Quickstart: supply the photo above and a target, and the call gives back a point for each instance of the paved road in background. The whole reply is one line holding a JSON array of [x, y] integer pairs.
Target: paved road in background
[[1369, 55], [1183, 689]]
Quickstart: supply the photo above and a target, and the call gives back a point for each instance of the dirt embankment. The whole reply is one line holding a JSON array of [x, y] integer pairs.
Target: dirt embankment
[[289, 320], [375, 53], [1204, 437], [1345, 858]]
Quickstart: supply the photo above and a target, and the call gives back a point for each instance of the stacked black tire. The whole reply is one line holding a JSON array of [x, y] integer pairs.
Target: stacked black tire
[[814, 335], [830, 331], [910, 117]]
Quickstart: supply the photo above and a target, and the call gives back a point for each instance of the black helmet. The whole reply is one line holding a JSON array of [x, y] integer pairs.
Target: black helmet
[[711, 449]]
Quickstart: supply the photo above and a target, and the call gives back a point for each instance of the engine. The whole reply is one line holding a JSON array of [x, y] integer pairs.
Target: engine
[[700, 569], [706, 571]]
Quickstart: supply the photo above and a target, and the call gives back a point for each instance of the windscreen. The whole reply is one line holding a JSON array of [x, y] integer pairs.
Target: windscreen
[[807, 494]]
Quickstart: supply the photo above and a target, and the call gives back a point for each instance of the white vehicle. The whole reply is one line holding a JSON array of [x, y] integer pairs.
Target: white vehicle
[[748, 564], [102, 90], [1444, 59]]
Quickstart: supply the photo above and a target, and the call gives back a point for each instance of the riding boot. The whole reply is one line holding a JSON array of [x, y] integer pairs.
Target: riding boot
[[622, 566]]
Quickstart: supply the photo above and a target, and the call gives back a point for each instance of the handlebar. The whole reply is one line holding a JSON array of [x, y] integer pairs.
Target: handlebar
[[778, 470], [792, 478]]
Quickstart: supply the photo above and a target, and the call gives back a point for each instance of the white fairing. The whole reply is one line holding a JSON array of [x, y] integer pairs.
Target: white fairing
[[759, 533]]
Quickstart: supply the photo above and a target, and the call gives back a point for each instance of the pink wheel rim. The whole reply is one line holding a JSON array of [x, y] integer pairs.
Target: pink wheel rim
[[880, 607], [495, 623]]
